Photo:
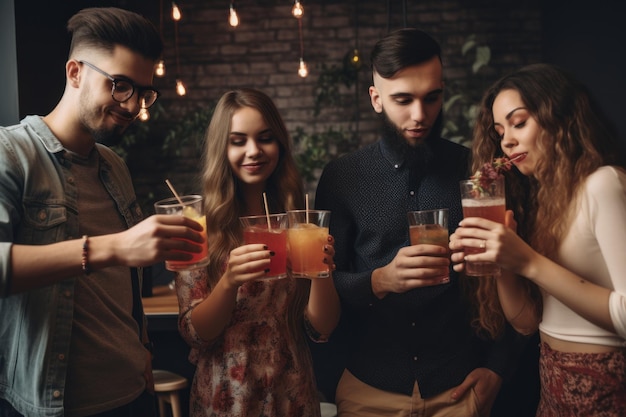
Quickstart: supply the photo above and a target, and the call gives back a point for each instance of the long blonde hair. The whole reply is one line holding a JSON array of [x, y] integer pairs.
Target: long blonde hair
[[223, 202], [574, 140]]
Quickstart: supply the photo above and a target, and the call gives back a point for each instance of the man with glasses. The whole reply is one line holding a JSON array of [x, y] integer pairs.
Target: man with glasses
[[72, 239]]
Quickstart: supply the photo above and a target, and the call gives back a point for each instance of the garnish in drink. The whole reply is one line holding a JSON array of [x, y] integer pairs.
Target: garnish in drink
[[489, 172]]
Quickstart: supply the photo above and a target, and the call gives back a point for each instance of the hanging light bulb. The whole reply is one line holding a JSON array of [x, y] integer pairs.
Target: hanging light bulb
[[159, 71], [180, 87], [233, 19], [355, 59], [297, 10], [144, 115], [303, 71], [176, 15]]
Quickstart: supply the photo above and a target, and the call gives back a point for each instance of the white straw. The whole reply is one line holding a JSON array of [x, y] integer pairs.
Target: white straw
[[267, 212]]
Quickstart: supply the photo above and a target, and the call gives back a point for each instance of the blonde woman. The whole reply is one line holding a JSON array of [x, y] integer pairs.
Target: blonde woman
[[247, 334]]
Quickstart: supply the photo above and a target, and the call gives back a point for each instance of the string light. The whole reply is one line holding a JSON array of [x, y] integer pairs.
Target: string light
[[180, 87], [144, 115], [303, 70], [159, 71], [297, 10], [233, 19], [176, 14]]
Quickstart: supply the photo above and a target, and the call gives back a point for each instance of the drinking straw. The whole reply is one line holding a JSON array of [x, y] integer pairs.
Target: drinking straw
[[306, 206], [169, 184], [267, 212]]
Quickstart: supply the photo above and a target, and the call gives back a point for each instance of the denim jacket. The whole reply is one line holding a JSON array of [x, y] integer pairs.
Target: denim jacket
[[38, 205]]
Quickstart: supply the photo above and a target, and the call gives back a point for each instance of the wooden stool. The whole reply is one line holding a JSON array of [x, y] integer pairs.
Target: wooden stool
[[167, 386]]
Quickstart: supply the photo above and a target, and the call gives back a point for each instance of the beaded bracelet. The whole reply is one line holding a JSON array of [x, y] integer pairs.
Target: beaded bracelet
[[85, 260]]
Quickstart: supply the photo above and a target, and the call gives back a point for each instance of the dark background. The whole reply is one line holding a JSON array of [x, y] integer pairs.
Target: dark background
[[586, 37]]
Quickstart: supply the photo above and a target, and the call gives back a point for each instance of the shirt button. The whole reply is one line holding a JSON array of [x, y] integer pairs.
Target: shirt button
[[61, 357], [396, 166], [70, 180], [42, 215], [67, 294], [415, 358], [56, 394], [411, 192], [413, 324]]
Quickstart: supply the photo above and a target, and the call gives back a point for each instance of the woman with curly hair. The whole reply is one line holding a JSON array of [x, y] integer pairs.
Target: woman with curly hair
[[565, 273], [246, 333]]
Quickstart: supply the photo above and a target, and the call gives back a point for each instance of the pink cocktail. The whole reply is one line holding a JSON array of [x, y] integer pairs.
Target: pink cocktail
[[273, 234], [489, 204]]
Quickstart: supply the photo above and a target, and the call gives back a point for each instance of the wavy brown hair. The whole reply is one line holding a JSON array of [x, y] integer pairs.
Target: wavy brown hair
[[223, 202], [575, 140]]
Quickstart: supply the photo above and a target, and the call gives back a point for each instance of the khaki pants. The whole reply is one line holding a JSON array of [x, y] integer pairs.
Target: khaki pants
[[357, 399]]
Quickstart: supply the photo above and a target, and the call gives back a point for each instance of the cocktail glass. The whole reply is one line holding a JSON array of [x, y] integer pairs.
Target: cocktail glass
[[488, 203], [189, 206], [306, 237], [256, 229], [430, 227]]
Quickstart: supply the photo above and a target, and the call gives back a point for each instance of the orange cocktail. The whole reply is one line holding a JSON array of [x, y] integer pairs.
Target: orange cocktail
[[430, 227], [306, 237], [189, 206]]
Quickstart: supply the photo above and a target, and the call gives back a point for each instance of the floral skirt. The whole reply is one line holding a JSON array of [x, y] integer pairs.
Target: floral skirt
[[582, 384]]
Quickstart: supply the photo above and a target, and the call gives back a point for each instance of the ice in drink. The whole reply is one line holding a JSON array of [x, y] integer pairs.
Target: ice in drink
[[189, 206], [305, 243], [197, 259]]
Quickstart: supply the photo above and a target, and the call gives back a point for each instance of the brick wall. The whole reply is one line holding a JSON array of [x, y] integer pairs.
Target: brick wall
[[264, 52]]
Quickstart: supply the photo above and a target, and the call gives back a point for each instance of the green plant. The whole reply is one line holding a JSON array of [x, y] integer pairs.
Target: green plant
[[189, 131], [314, 150], [327, 88], [462, 101]]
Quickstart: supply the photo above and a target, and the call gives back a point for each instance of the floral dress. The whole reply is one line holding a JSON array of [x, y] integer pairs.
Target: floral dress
[[253, 368]]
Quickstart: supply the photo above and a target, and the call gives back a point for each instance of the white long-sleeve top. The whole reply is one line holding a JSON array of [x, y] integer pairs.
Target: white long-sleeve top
[[594, 248]]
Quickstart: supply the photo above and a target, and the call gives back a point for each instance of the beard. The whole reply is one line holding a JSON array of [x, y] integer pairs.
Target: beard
[[91, 118], [415, 156]]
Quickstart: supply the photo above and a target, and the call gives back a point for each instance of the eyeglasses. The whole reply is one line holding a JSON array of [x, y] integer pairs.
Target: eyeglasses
[[122, 90]]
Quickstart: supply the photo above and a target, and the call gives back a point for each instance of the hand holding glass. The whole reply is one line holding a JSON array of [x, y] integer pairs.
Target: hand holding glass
[[430, 227], [488, 203], [256, 229], [189, 206], [307, 235]]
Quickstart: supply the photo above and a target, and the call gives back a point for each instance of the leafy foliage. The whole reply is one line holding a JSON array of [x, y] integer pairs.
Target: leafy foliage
[[314, 150], [189, 132], [462, 103]]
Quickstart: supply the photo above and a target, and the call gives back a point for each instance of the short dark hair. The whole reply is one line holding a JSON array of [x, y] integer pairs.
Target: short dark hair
[[403, 48], [106, 27]]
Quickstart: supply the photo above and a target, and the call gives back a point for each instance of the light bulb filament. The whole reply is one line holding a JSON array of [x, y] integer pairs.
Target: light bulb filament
[[180, 88], [159, 71], [233, 19], [144, 115], [176, 15], [297, 10], [303, 70]]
